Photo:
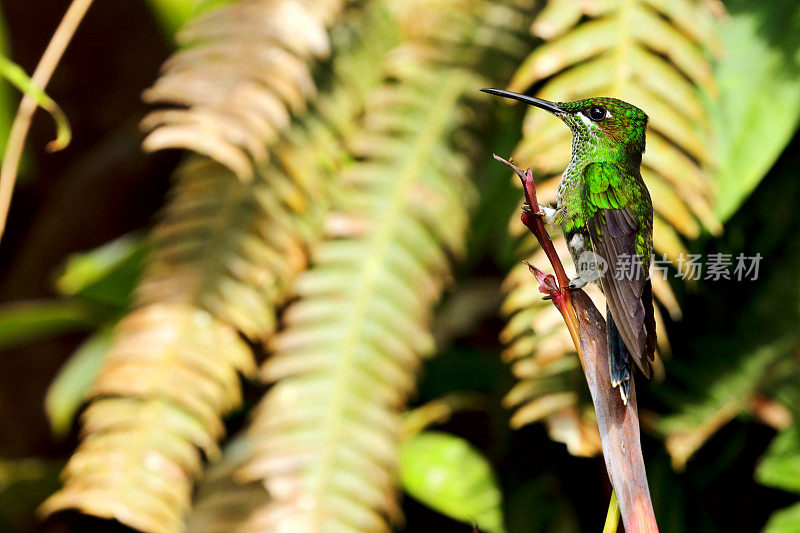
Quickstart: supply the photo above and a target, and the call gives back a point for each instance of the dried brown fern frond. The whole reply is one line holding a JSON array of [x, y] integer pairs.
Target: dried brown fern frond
[[655, 55], [224, 249], [242, 72], [223, 254], [327, 433], [226, 246], [169, 376]]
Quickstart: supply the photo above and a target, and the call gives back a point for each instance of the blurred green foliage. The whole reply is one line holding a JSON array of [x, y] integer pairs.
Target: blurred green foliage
[[14, 74], [6, 101], [173, 14], [22, 322], [448, 474], [22, 483], [71, 385], [106, 275], [759, 105], [721, 424]]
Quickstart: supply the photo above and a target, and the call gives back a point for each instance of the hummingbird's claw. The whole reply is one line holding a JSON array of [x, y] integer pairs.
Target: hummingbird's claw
[[527, 209]]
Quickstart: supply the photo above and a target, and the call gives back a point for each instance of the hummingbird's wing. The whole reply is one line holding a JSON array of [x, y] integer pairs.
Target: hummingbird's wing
[[613, 226]]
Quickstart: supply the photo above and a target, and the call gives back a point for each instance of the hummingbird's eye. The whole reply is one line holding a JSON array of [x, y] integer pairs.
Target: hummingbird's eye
[[596, 113]]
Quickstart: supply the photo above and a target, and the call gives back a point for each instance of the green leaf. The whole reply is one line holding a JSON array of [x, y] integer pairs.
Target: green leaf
[[173, 14], [106, 274], [24, 483], [784, 521], [19, 79], [71, 386], [780, 466], [6, 102], [360, 316], [759, 108], [27, 321], [449, 475]]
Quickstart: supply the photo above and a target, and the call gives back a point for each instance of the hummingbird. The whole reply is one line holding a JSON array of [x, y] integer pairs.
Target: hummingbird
[[603, 207]]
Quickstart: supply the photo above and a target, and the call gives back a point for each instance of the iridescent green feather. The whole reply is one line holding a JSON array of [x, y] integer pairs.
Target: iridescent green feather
[[609, 186]]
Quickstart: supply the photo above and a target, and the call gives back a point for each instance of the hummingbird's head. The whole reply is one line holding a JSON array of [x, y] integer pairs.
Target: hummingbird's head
[[604, 122]]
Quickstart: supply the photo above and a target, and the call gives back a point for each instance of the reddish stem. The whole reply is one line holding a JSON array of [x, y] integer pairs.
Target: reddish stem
[[535, 224], [618, 423]]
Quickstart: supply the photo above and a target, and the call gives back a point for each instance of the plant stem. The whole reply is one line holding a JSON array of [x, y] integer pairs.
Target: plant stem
[[612, 517], [617, 422], [22, 121], [534, 222]]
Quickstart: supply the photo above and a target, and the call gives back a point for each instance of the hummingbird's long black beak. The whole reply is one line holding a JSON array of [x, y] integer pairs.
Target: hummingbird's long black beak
[[538, 102]]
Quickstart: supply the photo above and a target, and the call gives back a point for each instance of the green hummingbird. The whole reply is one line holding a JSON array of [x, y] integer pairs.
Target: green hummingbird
[[603, 206]]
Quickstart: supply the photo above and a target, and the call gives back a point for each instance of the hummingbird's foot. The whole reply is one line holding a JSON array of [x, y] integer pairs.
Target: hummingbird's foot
[[527, 209], [548, 213]]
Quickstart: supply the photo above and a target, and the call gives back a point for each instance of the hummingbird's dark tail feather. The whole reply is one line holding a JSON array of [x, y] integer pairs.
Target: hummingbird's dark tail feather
[[619, 359]]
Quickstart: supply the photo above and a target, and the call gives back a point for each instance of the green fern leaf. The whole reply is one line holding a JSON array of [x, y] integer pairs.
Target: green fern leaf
[[327, 433]]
